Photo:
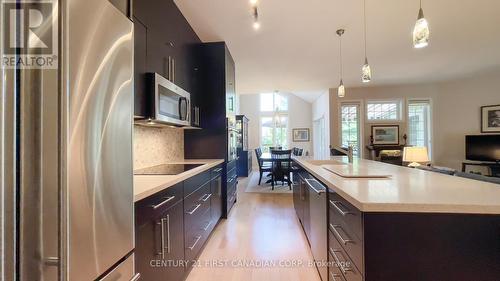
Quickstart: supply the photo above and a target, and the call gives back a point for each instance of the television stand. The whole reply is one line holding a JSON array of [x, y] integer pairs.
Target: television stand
[[494, 167]]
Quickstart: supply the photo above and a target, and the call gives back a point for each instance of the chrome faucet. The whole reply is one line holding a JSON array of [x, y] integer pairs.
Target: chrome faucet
[[349, 152]]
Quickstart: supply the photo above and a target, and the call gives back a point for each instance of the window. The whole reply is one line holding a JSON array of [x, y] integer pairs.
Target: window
[[273, 102], [419, 123], [273, 120], [350, 127], [389, 110]]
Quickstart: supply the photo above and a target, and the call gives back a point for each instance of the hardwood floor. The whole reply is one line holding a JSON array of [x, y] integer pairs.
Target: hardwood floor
[[259, 241]]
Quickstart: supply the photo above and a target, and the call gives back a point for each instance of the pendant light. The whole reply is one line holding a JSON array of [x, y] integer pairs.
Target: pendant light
[[421, 31], [366, 72], [256, 23], [255, 14], [341, 88]]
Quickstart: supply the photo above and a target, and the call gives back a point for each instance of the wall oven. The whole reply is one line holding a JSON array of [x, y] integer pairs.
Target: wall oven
[[169, 104]]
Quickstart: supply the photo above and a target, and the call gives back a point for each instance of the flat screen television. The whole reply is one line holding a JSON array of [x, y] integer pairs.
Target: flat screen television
[[483, 148]]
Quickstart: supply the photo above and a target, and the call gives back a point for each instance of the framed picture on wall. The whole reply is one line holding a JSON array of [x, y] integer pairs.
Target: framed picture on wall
[[301, 135], [387, 134], [490, 119]]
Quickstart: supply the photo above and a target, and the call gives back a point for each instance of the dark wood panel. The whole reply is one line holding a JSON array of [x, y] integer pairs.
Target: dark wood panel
[[148, 247], [445, 247], [164, 199], [344, 213], [195, 182], [343, 261]]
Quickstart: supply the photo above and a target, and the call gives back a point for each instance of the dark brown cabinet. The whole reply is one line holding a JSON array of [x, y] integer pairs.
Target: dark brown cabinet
[[173, 225], [159, 251], [217, 102], [165, 44]]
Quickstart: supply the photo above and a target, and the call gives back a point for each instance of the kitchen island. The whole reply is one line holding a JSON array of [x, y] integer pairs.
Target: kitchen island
[[376, 221]]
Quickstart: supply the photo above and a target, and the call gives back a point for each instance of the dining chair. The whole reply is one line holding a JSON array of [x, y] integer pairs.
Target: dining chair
[[275, 148], [300, 151], [263, 167], [281, 166]]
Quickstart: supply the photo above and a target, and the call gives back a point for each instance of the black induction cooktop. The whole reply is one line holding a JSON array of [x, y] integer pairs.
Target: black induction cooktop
[[166, 169]]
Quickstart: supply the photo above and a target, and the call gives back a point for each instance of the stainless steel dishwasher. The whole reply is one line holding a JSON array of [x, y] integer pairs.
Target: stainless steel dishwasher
[[318, 232]]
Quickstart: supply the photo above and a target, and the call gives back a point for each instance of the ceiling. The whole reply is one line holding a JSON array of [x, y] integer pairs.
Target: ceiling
[[296, 49]]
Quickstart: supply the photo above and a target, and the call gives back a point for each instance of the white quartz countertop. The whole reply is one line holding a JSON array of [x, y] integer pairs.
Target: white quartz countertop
[[147, 185], [406, 190]]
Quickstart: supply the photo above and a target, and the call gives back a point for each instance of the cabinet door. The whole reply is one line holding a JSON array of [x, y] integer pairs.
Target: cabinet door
[[216, 203], [160, 246]]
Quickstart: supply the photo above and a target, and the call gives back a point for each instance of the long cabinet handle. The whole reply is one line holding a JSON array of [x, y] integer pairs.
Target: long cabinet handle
[[168, 234], [217, 170], [195, 242], [337, 205], [168, 199], [194, 210], [206, 197], [169, 68], [340, 263], [162, 238], [337, 233], [136, 277], [208, 225], [311, 186]]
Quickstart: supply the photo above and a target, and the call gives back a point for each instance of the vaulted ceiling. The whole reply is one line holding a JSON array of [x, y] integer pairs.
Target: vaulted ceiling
[[296, 49]]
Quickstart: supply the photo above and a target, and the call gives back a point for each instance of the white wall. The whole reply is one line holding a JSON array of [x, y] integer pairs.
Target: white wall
[[455, 110], [321, 108], [299, 116]]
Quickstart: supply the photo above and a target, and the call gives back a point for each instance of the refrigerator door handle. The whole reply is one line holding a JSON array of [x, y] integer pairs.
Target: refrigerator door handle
[[136, 277]]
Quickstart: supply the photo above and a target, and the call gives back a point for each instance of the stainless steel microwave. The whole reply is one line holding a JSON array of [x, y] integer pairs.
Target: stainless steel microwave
[[169, 104]]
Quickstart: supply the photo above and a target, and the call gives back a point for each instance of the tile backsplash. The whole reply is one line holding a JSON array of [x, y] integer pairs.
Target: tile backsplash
[[154, 146]]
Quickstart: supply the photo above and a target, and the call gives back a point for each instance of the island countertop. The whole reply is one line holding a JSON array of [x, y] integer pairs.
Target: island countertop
[[147, 185], [407, 190]]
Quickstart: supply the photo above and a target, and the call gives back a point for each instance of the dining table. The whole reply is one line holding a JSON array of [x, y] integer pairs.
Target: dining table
[[266, 157]]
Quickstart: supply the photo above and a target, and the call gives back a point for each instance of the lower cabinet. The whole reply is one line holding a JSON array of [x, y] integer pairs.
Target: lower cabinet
[[159, 255], [173, 225]]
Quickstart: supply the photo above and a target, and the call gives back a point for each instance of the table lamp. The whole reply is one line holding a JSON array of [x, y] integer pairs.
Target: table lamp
[[415, 155]]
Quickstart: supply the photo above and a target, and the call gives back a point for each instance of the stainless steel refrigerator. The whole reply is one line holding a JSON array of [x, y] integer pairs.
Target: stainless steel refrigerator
[[66, 149]]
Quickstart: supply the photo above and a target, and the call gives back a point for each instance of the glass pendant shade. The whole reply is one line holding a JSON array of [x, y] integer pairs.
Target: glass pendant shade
[[366, 72], [256, 25], [341, 90], [421, 31]]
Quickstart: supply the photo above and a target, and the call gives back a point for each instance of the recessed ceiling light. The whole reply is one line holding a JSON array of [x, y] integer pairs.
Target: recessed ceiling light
[[254, 2], [256, 25]]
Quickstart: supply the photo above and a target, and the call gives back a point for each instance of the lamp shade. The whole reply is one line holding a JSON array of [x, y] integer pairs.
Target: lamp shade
[[416, 154]]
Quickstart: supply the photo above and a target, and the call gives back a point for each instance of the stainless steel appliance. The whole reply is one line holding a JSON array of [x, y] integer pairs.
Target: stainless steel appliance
[[170, 105], [316, 226], [166, 169], [67, 151]]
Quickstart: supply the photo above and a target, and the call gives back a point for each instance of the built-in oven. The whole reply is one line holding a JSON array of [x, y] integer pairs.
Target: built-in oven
[[169, 104]]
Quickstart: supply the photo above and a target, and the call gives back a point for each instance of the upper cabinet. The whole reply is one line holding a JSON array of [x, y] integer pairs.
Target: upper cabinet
[[165, 43]]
